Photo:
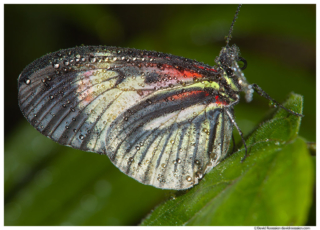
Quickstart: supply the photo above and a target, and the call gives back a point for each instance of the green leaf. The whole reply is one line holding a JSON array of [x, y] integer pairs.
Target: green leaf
[[273, 186]]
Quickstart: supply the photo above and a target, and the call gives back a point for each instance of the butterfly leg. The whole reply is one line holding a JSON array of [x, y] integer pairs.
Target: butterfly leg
[[233, 144], [265, 95], [240, 132]]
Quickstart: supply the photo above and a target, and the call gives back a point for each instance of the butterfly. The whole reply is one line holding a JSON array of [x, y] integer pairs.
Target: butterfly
[[161, 119]]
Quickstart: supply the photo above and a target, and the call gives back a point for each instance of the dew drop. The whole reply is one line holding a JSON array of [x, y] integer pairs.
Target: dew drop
[[206, 131], [189, 178], [137, 147], [56, 66], [140, 92], [27, 81], [199, 175], [81, 137]]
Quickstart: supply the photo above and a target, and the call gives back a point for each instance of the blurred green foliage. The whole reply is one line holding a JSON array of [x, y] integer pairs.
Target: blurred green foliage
[[48, 184]]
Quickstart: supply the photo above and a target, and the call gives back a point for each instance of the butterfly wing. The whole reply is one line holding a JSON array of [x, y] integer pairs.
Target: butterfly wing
[[159, 118]]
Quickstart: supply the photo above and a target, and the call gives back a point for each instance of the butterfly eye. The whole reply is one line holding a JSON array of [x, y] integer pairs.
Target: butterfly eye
[[243, 66]]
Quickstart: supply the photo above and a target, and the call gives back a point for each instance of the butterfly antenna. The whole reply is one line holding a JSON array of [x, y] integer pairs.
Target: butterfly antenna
[[231, 27]]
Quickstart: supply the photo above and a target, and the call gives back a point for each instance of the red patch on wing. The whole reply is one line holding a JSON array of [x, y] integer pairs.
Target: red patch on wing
[[206, 68], [220, 102], [177, 71], [190, 94], [180, 73]]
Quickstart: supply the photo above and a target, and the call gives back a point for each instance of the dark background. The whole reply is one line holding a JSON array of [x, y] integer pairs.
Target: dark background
[[48, 184]]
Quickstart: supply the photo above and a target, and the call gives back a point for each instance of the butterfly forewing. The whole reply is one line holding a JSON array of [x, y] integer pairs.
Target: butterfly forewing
[[160, 118]]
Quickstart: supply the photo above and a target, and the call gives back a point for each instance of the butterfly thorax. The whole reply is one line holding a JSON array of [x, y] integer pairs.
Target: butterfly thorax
[[232, 74]]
